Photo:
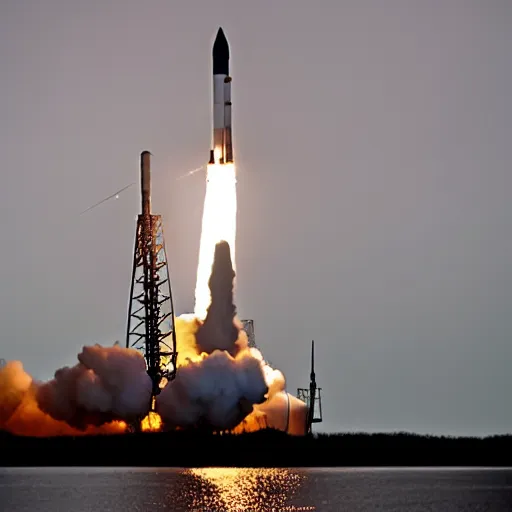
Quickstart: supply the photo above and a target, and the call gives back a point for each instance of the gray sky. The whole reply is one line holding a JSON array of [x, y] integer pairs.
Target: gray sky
[[373, 147]]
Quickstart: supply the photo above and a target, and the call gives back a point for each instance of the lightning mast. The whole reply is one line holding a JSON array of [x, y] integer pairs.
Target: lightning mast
[[151, 312], [312, 396]]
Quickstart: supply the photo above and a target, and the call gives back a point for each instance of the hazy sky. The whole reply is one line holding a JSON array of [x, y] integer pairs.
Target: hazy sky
[[373, 143]]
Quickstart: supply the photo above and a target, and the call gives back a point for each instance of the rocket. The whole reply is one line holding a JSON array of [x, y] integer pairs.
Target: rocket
[[222, 150]]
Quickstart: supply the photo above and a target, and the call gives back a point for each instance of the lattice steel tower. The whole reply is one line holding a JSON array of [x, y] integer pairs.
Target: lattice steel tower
[[151, 311]]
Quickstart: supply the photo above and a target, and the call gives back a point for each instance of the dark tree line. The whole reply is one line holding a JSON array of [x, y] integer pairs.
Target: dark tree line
[[259, 449]]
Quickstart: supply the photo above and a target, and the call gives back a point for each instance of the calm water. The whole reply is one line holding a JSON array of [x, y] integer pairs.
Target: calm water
[[257, 490]]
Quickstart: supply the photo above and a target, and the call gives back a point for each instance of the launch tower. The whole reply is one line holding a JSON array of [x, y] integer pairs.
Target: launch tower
[[312, 396], [248, 327], [151, 312]]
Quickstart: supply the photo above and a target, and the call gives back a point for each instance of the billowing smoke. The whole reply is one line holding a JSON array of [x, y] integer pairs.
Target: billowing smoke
[[218, 391], [108, 383], [221, 383], [14, 385], [219, 379], [21, 413], [219, 331]]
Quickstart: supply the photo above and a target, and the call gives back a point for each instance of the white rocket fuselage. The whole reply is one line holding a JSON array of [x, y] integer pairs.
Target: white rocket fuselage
[[222, 151]]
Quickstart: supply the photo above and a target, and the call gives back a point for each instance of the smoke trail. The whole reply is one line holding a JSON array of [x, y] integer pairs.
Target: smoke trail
[[190, 173], [219, 331]]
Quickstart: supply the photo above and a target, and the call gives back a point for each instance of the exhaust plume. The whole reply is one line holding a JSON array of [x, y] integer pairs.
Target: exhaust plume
[[220, 380], [218, 223], [219, 331], [218, 391]]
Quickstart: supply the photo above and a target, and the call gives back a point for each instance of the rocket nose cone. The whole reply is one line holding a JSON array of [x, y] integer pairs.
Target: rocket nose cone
[[220, 54], [220, 39]]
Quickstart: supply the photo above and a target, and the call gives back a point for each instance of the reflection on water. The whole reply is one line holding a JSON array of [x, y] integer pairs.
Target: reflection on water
[[246, 490], [254, 490]]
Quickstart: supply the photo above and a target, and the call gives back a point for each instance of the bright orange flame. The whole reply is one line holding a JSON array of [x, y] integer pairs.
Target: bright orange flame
[[255, 421], [29, 420], [152, 422], [219, 223], [217, 153]]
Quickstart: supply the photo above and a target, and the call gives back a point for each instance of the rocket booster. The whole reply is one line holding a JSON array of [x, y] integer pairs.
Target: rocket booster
[[222, 151]]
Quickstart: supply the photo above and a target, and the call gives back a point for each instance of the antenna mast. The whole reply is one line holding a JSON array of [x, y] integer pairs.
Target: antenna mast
[[312, 396]]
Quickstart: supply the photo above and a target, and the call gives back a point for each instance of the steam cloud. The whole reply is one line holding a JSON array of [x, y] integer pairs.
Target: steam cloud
[[220, 382], [221, 379], [108, 383], [21, 413]]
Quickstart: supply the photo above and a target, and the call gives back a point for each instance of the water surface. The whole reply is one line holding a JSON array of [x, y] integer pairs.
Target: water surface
[[255, 490]]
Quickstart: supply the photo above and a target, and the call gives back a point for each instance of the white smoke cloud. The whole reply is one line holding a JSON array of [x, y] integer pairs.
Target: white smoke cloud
[[20, 412], [218, 390], [108, 383], [220, 382], [219, 379], [274, 378]]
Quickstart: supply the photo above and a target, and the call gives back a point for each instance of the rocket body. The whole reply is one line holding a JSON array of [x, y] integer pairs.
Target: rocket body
[[222, 143]]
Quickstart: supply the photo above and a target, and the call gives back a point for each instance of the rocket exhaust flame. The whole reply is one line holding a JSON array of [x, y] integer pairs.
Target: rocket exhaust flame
[[219, 224]]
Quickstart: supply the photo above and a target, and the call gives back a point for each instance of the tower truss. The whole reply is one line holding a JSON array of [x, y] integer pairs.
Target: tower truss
[[150, 326]]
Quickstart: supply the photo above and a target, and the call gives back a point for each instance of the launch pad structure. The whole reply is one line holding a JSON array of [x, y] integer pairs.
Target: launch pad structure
[[312, 396], [248, 327], [150, 326]]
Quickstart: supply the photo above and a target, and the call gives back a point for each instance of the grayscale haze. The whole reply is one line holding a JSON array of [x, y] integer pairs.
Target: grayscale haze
[[373, 149]]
